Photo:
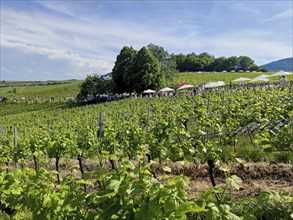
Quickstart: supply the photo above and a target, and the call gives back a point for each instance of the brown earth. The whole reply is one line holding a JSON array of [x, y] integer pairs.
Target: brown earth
[[256, 177]]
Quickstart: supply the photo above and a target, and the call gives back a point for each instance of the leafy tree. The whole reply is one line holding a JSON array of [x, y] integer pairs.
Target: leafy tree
[[245, 63], [169, 70], [167, 62], [94, 85], [145, 71], [231, 63], [263, 70], [191, 62], [159, 52], [180, 59], [254, 67], [218, 64], [121, 69], [205, 60]]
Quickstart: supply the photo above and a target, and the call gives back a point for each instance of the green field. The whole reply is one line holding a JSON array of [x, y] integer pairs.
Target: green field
[[216, 155], [58, 89], [201, 78]]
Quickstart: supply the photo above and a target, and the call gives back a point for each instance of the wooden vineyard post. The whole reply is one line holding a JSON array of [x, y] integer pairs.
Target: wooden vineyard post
[[68, 120], [210, 161], [249, 134], [101, 118], [49, 130], [2, 130], [148, 115], [15, 142], [208, 111], [100, 133], [223, 100], [49, 127], [230, 96], [15, 136]]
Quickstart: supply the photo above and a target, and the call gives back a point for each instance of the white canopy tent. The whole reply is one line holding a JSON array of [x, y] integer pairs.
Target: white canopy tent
[[262, 76], [257, 79], [214, 84], [149, 91], [186, 86], [166, 89], [241, 79], [280, 73]]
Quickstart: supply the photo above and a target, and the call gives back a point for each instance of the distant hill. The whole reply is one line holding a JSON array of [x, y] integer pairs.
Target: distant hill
[[284, 64]]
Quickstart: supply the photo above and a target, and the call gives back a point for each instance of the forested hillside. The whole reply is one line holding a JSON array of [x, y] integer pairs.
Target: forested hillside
[[284, 64]]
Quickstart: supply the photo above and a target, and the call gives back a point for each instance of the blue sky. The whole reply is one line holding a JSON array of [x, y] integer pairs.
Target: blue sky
[[47, 40]]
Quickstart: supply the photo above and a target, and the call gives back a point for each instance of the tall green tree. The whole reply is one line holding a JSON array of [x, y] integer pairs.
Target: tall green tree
[[180, 59], [94, 85], [159, 52], [121, 69], [245, 63], [167, 62], [218, 64], [191, 62], [231, 63], [205, 60], [145, 71], [169, 70]]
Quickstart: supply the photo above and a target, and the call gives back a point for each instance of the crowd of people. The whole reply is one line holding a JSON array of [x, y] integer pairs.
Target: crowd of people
[[194, 90], [197, 88]]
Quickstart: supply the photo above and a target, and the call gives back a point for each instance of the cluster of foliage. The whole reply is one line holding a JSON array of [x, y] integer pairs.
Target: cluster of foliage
[[94, 85], [153, 67], [208, 63], [150, 67], [128, 192], [134, 71], [136, 136]]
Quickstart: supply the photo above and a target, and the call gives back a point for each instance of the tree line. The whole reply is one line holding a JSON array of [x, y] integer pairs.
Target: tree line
[[153, 67]]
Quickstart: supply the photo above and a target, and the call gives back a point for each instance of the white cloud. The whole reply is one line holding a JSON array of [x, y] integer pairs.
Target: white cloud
[[90, 43], [56, 54], [287, 14], [5, 69]]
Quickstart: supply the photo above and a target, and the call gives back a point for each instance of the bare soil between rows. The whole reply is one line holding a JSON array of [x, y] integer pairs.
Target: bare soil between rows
[[256, 177]]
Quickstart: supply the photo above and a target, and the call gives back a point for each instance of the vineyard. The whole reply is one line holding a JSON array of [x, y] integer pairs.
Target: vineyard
[[141, 158]]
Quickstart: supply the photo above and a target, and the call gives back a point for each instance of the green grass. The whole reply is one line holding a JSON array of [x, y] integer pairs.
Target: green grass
[[58, 89], [70, 88], [201, 78], [12, 108]]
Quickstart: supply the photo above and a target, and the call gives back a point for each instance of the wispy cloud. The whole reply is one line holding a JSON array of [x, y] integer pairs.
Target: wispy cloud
[[5, 69], [56, 54], [86, 36], [287, 14]]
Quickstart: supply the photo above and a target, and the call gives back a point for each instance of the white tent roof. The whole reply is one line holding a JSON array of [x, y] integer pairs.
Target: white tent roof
[[214, 84], [166, 89], [185, 87], [241, 79], [280, 73], [256, 79], [149, 91], [262, 76]]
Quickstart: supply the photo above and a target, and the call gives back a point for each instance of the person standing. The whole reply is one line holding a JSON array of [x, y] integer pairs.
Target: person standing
[[283, 81]]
